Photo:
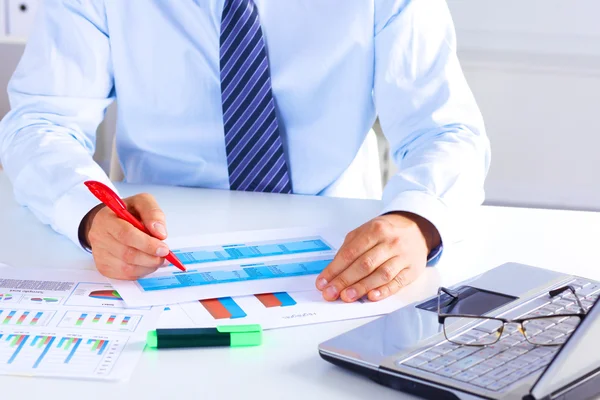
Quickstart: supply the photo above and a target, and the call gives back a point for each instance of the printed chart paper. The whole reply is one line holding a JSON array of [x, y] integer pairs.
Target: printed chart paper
[[70, 324], [278, 310], [236, 264]]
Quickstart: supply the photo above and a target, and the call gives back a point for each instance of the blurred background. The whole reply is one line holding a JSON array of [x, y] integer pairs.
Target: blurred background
[[534, 67]]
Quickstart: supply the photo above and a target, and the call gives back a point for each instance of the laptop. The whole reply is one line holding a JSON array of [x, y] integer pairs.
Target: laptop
[[411, 351]]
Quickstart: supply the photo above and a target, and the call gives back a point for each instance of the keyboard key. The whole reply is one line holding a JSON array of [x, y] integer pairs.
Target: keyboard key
[[540, 352], [511, 341], [553, 333], [528, 358], [525, 346], [480, 369], [444, 348], [448, 371], [467, 362], [429, 355], [464, 338], [532, 367], [552, 308], [587, 304], [510, 328], [517, 363], [463, 352], [564, 328], [539, 313], [497, 385], [579, 283], [487, 353], [489, 326], [532, 330], [433, 366], [482, 381], [517, 375], [476, 333], [542, 323], [500, 372], [563, 303], [498, 346], [466, 376], [415, 362], [505, 357], [590, 289], [493, 362], [517, 351]]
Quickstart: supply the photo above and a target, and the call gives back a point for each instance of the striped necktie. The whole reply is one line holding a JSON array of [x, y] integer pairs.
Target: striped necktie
[[255, 157]]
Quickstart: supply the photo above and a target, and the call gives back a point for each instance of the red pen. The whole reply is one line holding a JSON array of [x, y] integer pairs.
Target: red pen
[[107, 196]]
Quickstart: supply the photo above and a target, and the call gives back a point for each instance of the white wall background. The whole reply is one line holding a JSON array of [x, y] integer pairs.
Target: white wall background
[[534, 66]]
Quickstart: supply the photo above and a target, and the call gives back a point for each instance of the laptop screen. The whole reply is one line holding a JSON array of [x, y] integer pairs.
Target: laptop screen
[[577, 357]]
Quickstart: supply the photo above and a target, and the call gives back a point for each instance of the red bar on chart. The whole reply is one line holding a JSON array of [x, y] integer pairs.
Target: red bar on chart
[[268, 300]]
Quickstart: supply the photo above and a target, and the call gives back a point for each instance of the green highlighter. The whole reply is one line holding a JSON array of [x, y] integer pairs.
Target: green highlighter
[[232, 336]]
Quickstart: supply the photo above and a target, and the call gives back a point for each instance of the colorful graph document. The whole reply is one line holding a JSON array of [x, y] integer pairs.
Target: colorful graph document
[[282, 309], [70, 324], [234, 264]]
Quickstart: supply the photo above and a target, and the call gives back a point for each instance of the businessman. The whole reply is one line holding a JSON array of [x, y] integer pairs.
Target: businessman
[[253, 95]]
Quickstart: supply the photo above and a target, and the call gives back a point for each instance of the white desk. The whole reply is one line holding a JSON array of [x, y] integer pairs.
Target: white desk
[[287, 365]]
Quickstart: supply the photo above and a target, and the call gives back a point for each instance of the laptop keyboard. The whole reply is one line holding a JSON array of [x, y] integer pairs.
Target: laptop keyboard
[[495, 367]]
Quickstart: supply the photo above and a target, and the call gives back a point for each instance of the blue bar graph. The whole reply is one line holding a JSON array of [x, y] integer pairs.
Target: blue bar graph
[[62, 341], [35, 339], [226, 275], [251, 250], [104, 345], [46, 349], [286, 299], [22, 342], [232, 307], [73, 351]]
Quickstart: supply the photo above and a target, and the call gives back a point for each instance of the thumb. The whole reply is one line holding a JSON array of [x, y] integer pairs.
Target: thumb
[[152, 217]]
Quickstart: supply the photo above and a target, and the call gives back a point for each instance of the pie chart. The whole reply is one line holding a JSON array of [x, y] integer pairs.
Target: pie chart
[[105, 295]]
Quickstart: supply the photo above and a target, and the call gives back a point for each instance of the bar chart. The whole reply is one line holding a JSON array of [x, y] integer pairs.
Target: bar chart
[[15, 317], [77, 356], [251, 250], [223, 308], [116, 322], [281, 299]]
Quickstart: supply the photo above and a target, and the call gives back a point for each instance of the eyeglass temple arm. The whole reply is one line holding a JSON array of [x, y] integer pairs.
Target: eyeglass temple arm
[[558, 291], [449, 292]]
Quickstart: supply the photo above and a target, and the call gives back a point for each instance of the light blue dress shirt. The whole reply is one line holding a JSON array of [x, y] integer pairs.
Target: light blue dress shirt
[[336, 65]]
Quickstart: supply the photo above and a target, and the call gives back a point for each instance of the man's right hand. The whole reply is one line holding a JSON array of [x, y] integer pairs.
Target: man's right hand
[[120, 250]]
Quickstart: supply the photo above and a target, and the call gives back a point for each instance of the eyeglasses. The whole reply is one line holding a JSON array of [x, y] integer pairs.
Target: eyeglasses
[[489, 330]]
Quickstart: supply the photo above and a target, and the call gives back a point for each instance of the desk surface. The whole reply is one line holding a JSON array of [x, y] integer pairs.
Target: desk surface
[[287, 365]]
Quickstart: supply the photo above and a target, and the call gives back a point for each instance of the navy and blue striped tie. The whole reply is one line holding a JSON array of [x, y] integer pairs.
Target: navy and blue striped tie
[[255, 156]]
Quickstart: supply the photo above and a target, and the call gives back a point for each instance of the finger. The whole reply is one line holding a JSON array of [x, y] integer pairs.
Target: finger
[[151, 215], [131, 255], [347, 254], [359, 269], [128, 235], [404, 278], [386, 272], [112, 267]]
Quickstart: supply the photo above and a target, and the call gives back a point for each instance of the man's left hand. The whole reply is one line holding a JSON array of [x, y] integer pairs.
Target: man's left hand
[[379, 258]]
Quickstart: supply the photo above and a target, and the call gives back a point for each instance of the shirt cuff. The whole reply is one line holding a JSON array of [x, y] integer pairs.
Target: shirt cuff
[[429, 207], [71, 208]]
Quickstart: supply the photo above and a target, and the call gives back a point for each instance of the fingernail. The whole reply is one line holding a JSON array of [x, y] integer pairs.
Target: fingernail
[[321, 283], [376, 293], [351, 294], [160, 228], [162, 251], [331, 292]]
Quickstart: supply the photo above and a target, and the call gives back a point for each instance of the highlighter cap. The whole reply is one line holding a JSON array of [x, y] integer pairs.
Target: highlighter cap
[[243, 335], [152, 339]]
